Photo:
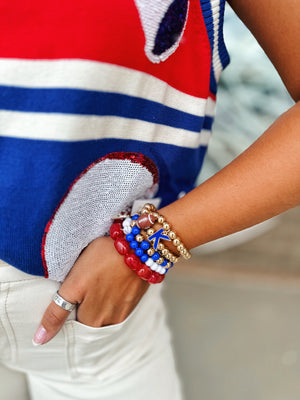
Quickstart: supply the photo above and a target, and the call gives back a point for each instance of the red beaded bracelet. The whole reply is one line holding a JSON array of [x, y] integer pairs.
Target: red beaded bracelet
[[131, 260]]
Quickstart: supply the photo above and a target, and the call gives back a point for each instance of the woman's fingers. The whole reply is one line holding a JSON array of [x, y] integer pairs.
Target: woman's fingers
[[52, 321], [56, 313], [104, 287]]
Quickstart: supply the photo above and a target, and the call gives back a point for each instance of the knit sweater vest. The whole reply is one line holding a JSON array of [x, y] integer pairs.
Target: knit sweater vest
[[101, 103]]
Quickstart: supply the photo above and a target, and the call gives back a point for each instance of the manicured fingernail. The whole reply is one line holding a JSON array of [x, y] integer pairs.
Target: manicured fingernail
[[40, 336]]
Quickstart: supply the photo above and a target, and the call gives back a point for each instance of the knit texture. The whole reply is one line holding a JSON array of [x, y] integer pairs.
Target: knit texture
[[80, 82], [105, 189]]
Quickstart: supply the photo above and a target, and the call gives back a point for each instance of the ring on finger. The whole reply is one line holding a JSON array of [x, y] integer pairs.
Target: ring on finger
[[61, 302]]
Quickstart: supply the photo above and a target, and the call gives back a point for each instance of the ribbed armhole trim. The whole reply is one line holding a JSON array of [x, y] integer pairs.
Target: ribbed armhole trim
[[213, 14]]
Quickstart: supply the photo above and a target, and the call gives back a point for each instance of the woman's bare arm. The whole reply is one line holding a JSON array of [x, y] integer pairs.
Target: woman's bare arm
[[265, 180], [262, 182]]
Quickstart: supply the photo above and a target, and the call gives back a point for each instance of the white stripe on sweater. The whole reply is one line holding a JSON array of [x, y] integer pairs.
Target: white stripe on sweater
[[65, 127], [93, 75]]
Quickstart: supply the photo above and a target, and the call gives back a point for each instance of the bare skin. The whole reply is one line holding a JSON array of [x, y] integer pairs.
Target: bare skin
[[106, 289], [262, 182]]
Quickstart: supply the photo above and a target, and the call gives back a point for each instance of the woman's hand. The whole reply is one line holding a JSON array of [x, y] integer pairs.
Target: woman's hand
[[106, 290]]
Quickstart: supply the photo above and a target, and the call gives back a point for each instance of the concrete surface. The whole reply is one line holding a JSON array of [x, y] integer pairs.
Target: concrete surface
[[235, 318], [236, 340]]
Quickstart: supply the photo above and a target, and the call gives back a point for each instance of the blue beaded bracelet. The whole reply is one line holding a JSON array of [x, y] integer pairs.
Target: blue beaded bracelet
[[139, 248]]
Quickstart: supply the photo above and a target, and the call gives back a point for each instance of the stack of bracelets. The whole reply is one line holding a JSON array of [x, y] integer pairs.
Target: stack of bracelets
[[139, 242]]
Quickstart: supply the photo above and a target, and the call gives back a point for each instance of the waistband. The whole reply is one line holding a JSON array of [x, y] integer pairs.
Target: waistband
[[8, 273], [3, 264]]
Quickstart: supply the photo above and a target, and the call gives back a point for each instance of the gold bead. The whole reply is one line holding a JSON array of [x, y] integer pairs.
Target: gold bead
[[168, 256], [172, 235], [160, 246], [160, 219], [176, 260], [144, 211], [168, 265], [176, 242], [155, 215], [166, 226], [180, 248], [150, 231], [172, 259], [147, 206], [150, 252], [160, 260], [164, 252], [139, 238]]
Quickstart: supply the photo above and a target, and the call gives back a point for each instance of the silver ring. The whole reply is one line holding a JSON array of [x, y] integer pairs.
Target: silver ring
[[61, 302]]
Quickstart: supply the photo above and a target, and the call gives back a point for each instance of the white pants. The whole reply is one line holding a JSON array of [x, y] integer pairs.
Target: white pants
[[132, 360]]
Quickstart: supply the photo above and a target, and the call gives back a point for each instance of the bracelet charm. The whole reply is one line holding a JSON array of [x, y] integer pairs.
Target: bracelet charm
[[142, 245]]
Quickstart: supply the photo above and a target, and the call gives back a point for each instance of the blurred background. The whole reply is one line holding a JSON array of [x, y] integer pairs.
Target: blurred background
[[234, 308]]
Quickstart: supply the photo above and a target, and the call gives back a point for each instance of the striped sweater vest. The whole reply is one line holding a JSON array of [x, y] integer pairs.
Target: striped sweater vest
[[101, 102]]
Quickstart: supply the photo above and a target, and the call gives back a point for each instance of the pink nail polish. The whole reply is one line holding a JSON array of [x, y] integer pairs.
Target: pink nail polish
[[40, 336]]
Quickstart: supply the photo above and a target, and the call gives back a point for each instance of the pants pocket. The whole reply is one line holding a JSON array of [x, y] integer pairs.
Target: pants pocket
[[114, 350], [25, 304]]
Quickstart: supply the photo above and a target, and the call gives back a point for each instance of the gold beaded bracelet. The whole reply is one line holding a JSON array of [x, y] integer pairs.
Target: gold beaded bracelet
[[164, 252], [150, 209]]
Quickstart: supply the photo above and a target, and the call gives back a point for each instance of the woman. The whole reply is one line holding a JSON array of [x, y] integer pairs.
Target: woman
[[128, 78]]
